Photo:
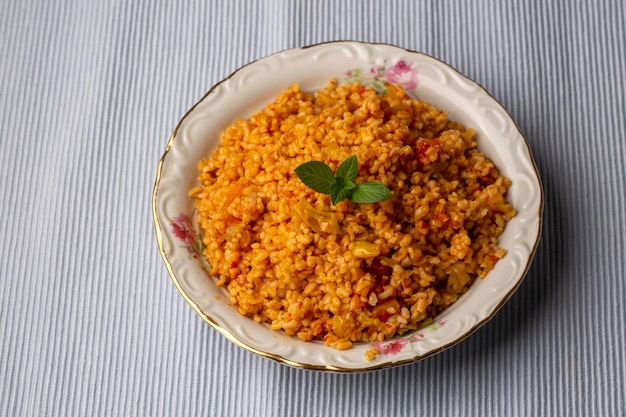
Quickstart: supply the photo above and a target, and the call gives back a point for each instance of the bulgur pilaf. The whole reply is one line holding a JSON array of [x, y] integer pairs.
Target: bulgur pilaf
[[350, 272]]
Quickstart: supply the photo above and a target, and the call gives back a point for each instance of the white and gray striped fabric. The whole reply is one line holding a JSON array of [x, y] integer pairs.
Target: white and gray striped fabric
[[90, 323]]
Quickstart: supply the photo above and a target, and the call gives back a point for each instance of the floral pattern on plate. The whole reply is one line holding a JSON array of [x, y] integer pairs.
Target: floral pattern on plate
[[397, 345], [399, 73], [183, 228]]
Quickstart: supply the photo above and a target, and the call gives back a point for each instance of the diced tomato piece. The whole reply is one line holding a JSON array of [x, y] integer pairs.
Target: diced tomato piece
[[425, 148]]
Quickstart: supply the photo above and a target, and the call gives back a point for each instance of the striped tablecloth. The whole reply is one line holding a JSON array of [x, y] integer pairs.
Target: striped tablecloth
[[90, 323]]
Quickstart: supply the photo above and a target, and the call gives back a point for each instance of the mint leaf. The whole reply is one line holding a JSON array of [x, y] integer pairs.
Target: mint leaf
[[348, 169], [341, 190], [342, 183], [339, 193], [316, 175], [370, 192]]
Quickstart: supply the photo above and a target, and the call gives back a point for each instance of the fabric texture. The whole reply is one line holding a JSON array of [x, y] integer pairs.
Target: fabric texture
[[90, 322]]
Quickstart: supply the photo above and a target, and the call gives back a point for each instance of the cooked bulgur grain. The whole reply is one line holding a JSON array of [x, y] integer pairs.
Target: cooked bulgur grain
[[351, 272]]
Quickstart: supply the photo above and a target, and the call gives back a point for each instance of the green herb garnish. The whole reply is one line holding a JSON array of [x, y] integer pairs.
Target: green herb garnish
[[340, 185]]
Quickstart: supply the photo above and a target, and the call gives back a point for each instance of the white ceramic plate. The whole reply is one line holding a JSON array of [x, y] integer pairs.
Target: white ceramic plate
[[253, 86]]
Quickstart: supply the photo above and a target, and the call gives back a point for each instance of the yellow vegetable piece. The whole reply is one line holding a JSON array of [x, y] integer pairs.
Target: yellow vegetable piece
[[318, 220], [336, 153], [456, 282], [363, 249]]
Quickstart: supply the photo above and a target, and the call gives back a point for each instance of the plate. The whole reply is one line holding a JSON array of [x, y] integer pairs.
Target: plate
[[253, 86]]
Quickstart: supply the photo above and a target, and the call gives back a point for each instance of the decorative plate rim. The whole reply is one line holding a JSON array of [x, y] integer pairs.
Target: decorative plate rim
[[367, 366]]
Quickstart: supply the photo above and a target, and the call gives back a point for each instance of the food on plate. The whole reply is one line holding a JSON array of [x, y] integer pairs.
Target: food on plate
[[301, 250]]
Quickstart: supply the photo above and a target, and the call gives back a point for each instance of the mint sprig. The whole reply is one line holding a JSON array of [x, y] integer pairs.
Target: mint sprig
[[340, 185], [317, 175]]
